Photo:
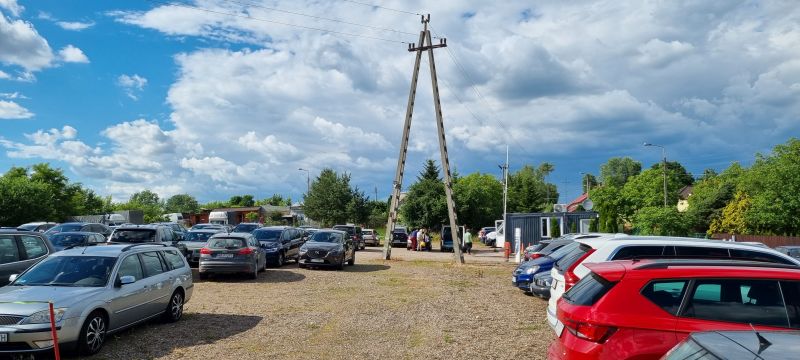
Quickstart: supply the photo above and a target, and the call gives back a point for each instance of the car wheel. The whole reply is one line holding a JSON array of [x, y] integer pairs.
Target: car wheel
[[341, 264], [264, 268], [280, 260], [203, 276], [93, 334], [352, 260], [254, 274], [174, 310]]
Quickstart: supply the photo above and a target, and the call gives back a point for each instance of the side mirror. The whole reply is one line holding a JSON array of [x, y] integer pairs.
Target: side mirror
[[13, 277], [127, 279]]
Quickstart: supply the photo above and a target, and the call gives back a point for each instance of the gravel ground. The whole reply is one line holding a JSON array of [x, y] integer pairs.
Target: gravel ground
[[418, 305]]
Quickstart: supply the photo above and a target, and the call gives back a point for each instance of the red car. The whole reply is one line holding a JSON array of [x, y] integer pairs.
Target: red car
[[641, 309]]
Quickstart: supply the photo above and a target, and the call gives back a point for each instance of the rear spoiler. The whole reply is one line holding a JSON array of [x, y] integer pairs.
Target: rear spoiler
[[611, 271]]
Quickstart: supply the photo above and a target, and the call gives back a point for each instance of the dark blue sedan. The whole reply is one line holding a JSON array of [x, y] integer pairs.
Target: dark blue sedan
[[523, 274]]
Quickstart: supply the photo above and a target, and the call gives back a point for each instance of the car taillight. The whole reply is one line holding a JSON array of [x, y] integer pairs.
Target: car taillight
[[591, 332], [536, 255], [570, 279], [246, 251], [205, 251]]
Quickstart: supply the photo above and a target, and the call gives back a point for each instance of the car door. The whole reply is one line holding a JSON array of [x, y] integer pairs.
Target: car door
[[129, 301], [260, 252], [33, 250], [157, 280], [732, 304], [286, 242], [10, 257]]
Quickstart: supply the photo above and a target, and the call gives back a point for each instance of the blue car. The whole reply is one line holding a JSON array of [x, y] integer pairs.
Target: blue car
[[523, 274]]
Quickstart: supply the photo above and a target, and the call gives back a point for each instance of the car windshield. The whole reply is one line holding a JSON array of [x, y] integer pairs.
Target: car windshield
[[245, 228], [133, 235], [206, 226], [87, 271], [327, 237], [64, 228], [198, 236], [367, 232], [68, 239], [27, 227], [348, 229], [268, 235], [226, 243]]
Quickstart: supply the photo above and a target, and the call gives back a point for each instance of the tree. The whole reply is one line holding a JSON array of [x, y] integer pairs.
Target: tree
[[181, 203], [251, 217], [733, 220], [528, 191], [329, 197], [479, 199], [148, 202], [145, 197], [424, 204], [611, 208], [357, 208], [22, 200], [617, 171], [430, 171], [647, 188], [241, 200], [659, 220], [590, 180], [709, 197], [378, 213], [275, 200], [676, 170]]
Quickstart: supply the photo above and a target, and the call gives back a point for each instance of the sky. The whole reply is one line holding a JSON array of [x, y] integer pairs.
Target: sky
[[223, 97]]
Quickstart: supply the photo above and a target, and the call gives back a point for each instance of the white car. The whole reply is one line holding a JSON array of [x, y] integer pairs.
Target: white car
[[570, 269]]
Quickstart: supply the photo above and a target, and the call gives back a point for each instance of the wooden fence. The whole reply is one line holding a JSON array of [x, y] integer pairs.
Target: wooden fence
[[769, 240]]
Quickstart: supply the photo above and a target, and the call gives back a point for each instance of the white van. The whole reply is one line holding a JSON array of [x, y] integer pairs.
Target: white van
[[175, 217], [218, 217]]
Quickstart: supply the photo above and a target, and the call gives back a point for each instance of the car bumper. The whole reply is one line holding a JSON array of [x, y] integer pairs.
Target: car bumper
[[34, 338], [522, 281], [542, 291], [220, 267], [328, 260], [371, 241]]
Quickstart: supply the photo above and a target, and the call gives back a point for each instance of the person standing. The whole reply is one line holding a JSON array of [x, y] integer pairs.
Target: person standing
[[468, 241], [413, 239]]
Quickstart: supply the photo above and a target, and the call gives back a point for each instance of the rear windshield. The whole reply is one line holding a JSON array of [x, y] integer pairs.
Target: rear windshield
[[587, 291], [226, 243], [267, 235], [367, 232], [68, 239], [350, 230], [537, 247], [198, 236], [65, 228], [572, 257], [245, 228], [134, 235], [564, 250], [328, 237]]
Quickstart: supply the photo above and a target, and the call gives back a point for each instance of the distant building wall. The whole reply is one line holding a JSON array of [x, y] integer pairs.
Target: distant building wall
[[769, 240]]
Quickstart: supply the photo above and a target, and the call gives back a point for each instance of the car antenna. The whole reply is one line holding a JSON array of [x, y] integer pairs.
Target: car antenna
[[763, 343]]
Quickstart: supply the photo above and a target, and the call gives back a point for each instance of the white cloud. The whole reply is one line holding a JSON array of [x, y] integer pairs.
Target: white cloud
[[131, 84], [12, 110], [14, 95], [74, 25], [72, 54], [4, 75], [659, 53], [12, 7], [21, 45]]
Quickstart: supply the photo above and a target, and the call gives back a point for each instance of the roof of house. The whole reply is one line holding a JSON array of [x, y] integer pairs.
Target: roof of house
[[244, 208], [685, 192], [573, 206]]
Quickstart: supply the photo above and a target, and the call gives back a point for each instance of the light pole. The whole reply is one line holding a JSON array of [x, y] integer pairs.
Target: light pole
[[587, 182], [663, 167], [308, 180]]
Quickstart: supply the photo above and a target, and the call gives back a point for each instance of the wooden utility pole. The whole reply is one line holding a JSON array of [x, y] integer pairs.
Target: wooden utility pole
[[425, 44]]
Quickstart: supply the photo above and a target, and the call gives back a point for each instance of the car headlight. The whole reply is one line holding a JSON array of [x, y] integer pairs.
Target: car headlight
[[43, 317], [303, 250], [532, 269]]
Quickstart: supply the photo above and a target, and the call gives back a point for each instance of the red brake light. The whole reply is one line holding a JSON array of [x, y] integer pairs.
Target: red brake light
[[570, 279], [246, 251], [536, 255], [205, 251], [591, 332]]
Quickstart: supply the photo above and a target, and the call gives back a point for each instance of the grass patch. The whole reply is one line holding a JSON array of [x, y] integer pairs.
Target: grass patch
[[448, 339], [417, 339], [462, 284], [394, 282]]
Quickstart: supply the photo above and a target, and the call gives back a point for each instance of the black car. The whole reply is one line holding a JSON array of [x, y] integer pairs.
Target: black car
[[328, 248], [80, 227], [355, 234], [67, 239], [399, 237], [178, 228], [447, 238], [280, 243], [718, 345], [19, 250], [540, 286], [246, 227], [36, 226]]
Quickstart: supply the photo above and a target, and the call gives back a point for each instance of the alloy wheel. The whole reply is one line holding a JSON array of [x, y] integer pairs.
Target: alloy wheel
[[95, 333], [176, 306]]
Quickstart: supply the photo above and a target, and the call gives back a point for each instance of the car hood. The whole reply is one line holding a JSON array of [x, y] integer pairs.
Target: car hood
[[26, 300], [535, 262], [193, 245], [312, 245]]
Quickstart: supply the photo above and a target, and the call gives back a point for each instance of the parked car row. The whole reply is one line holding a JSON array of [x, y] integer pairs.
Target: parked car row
[[613, 296]]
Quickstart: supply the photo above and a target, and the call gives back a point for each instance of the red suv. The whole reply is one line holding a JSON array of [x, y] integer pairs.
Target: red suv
[[641, 309]]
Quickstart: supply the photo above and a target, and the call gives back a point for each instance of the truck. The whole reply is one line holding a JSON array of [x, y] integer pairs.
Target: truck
[[221, 218]]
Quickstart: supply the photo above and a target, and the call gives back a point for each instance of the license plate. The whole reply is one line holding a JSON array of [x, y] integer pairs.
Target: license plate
[[513, 279], [559, 328], [317, 260], [224, 256], [3, 337]]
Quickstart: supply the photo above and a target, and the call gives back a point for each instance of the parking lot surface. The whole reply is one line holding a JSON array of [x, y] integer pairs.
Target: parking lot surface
[[418, 305]]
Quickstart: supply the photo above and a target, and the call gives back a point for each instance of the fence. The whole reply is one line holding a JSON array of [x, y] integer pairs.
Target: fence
[[769, 240]]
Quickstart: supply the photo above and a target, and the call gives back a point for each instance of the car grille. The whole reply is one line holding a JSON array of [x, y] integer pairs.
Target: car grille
[[542, 283], [317, 253], [9, 319]]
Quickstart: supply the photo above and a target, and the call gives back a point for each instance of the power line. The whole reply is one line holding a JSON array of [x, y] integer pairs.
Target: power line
[[382, 7], [276, 22], [464, 73], [321, 17]]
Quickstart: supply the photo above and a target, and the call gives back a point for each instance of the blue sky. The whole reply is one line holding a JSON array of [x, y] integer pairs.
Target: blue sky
[[198, 98]]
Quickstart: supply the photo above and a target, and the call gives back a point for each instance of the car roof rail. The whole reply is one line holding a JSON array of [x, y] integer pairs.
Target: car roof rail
[[665, 263], [141, 244]]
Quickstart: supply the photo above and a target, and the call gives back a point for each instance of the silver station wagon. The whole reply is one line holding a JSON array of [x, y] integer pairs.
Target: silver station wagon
[[96, 291]]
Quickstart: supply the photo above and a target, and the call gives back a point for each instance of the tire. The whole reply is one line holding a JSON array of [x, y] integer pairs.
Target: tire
[[280, 261], [341, 265], [203, 276], [264, 268], [254, 275], [93, 334], [174, 310], [352, 260]]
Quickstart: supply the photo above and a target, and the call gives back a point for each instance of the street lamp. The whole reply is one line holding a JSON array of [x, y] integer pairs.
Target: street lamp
[[308, 180], [663, 167], [588, 187]]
